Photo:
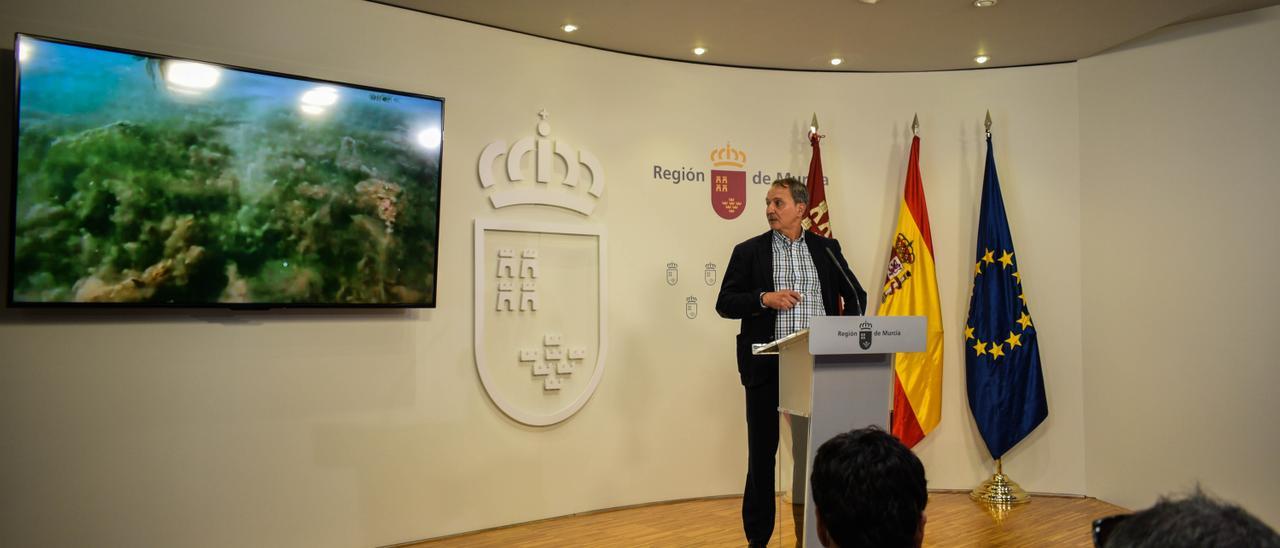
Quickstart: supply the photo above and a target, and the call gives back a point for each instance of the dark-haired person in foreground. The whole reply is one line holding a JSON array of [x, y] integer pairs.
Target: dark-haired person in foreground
[[774, 283], [868, 491], [1197, 521]]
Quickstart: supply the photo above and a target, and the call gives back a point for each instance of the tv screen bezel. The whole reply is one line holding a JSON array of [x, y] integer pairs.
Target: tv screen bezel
[[11, 285]]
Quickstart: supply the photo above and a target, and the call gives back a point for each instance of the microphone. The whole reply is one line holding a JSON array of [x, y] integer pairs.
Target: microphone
[[862, 311]]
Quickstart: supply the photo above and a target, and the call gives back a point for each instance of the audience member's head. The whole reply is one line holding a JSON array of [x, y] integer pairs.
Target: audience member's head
[[1197, 521], [869, 490]]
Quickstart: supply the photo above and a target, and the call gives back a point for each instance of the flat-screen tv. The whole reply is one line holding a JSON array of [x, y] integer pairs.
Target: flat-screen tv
[[149, 180]]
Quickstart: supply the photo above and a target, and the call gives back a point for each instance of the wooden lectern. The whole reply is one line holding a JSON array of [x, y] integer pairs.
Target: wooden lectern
[[838, 374]]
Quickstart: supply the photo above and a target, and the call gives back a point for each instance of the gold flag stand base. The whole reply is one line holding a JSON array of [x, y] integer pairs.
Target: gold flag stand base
[[1000, 490]]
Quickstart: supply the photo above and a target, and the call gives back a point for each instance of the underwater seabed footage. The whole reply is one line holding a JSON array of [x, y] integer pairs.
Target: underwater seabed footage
[[157, 181]]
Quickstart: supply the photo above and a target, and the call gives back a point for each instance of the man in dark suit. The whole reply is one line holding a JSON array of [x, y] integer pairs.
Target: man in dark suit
[[774, 283]]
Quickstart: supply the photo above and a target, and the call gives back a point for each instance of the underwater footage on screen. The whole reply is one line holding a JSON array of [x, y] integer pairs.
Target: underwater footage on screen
[[155, 181]]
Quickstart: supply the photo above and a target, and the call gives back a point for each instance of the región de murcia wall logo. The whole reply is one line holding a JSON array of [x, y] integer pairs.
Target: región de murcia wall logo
[[540, 287], [728, 181]]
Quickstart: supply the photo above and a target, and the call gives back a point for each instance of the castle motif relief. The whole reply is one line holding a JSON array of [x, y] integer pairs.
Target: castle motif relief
[[528, 297]]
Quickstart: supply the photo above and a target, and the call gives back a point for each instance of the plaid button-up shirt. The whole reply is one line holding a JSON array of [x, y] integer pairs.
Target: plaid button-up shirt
[[793, 269]]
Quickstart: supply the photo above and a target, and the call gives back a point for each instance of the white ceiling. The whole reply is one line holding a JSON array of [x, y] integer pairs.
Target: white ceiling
[[891, 35]]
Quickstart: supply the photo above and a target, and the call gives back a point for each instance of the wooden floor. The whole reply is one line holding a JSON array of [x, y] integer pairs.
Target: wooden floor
[[954, 520]]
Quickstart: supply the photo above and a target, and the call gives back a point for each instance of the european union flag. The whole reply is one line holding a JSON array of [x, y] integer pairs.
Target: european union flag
[[1002, 358]]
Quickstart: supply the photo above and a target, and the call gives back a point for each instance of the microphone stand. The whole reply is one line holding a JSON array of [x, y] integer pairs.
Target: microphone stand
[[862, 310]]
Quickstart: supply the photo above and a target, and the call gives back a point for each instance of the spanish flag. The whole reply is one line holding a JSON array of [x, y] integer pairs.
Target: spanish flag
[[911, 289]]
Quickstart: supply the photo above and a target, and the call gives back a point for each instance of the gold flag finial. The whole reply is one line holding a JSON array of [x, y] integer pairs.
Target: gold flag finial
[[988, 123], [915, 124], [813, 126]]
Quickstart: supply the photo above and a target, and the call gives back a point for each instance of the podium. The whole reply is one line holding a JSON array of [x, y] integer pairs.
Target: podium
[[838, 374]]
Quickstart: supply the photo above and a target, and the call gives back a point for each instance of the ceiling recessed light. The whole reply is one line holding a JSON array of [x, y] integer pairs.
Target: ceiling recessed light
[[699, 50], [836, 61], [869, 1], [981, 59], [570, 28], [985, 3]]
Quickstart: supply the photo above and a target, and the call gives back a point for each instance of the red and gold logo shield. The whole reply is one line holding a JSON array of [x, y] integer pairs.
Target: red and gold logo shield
[[728, 186], [728, 192]]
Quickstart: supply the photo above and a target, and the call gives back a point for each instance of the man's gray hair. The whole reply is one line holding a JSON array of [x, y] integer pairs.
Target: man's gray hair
[[799, 193]]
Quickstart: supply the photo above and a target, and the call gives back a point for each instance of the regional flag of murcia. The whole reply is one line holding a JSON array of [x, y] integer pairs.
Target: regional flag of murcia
[[728, 188], [817, 221]]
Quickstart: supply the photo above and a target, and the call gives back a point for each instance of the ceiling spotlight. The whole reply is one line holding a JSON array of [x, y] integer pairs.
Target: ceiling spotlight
[[570, 27], [869, 1], [699, 50], [985, 3], [836, 61], [981, 59]]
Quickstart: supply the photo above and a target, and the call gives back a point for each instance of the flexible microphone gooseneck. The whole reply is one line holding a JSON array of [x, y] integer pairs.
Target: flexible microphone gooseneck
[[862, 311]]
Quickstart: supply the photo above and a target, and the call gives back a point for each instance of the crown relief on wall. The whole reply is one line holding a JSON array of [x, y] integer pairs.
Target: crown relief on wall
[[581, 165]]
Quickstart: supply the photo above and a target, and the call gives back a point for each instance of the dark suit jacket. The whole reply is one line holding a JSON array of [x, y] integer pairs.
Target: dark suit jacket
[[750, 273]]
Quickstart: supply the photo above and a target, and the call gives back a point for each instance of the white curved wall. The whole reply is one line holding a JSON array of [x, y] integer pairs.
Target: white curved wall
[[369, 428], [1179, 134]]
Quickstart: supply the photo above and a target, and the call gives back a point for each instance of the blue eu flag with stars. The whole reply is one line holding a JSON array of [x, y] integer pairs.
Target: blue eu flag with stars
[[1002, 357]]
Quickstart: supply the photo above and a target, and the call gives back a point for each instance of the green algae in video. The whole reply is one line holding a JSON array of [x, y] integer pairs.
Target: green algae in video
[[138, 187]]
